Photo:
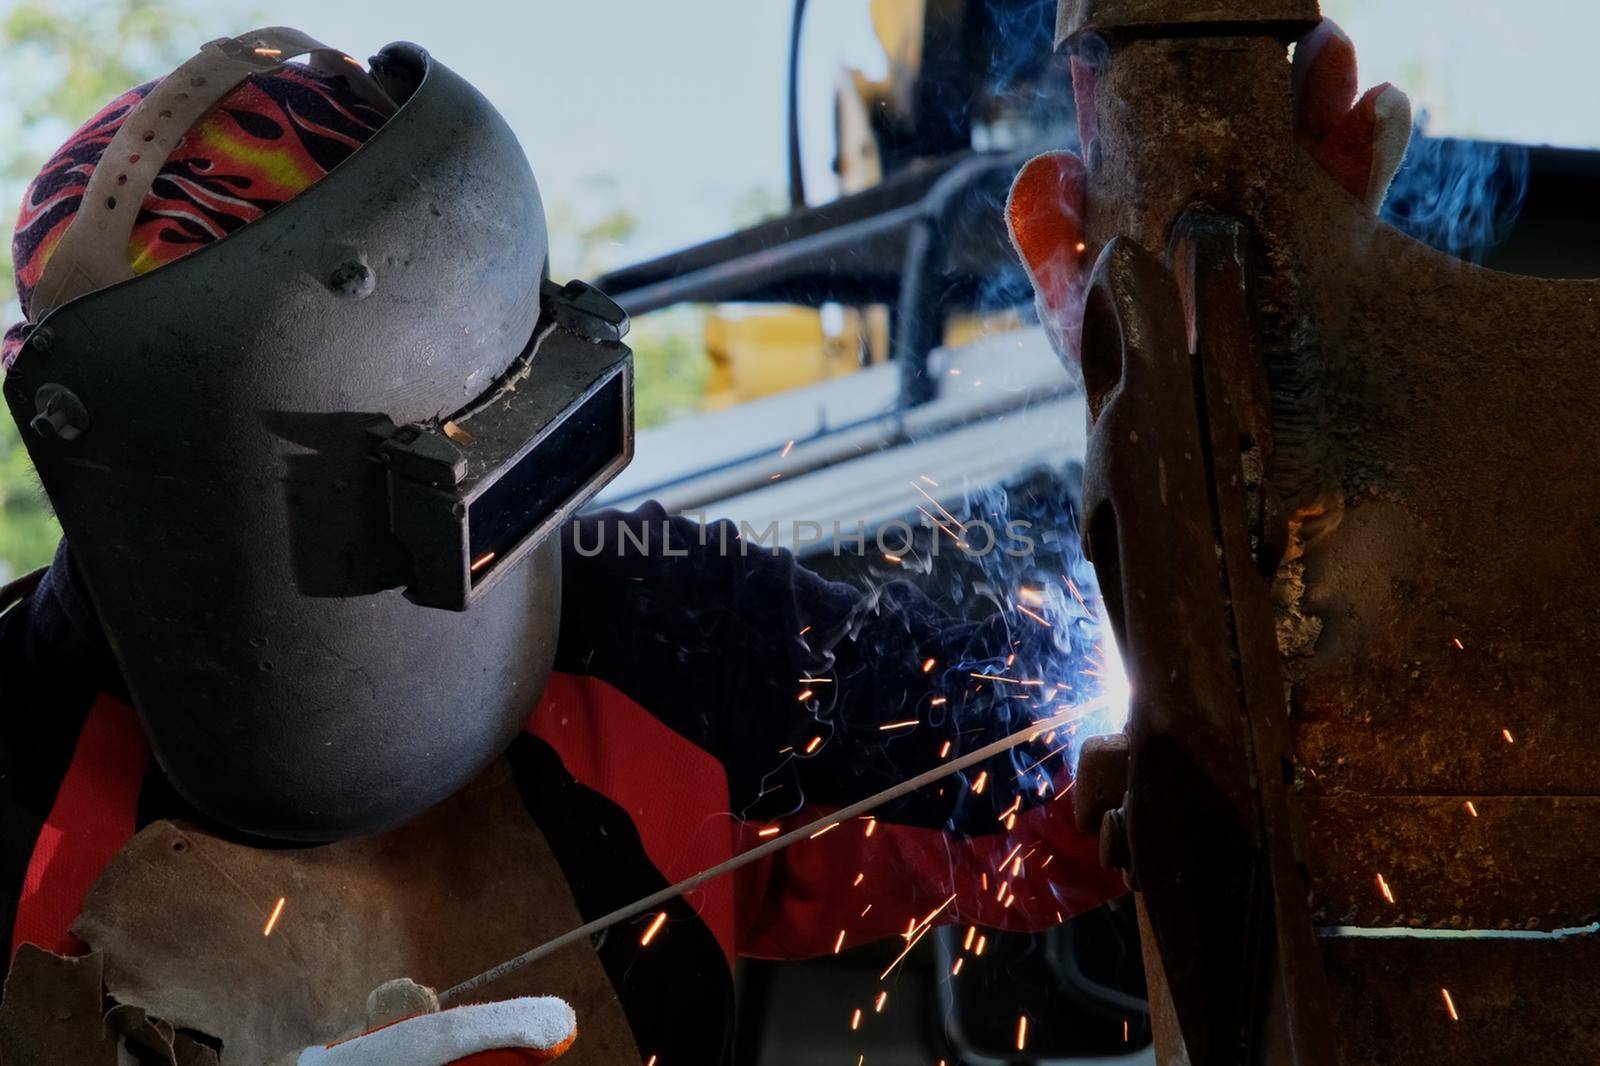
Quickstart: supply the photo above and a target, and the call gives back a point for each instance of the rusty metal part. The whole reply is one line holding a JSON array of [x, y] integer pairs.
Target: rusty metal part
[[179, 914], [1115, 853], [1404, 445], [1522, 862], [1286, 18], [1516, 1000], [1101, 780], [1465, 407], [1169, 531]]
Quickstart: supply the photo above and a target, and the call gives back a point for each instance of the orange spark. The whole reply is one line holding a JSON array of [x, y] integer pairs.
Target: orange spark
[[855, 1019], [927, 665], [872, 825], [977, 948], [907, 724], [1383, 886], [944, 749], [482, 561], [1507, 734], [1450, 1005], [1457, 642], [909, 945], [957, 967], [787, 448], [972, 931], [770, 830], [1022, 1031], [804, 695], [824, 829], [268, 51], [813, 744], [860, 877], [977, 786], [935, 912], [877, 1007], [838, 945], [1471, 809], [920, 929], [953, 520], [893, 558], [273, 919], [1036, 617], [937, 701], [655, 927]]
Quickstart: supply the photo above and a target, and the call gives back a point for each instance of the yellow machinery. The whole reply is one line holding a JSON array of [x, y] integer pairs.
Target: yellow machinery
[[758, 350]]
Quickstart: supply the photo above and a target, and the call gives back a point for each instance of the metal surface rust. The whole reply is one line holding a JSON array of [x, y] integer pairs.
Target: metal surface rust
[[1190, 608], [1403, 445], [1449, 579], [1515, 1001], [1285, 18]]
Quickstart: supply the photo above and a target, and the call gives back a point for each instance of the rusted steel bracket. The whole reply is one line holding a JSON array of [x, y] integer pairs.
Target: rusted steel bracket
[[1341, 495], [1286, 18], [1204, 830]]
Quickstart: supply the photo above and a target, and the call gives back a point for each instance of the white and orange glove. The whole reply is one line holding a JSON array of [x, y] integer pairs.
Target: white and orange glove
[[512, 1032], [1359, 142]]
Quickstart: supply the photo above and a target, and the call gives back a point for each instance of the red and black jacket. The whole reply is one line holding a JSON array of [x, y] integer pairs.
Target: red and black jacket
[[677, 732]]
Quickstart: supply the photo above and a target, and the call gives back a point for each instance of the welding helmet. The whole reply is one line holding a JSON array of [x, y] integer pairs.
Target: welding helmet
[[312, 473]]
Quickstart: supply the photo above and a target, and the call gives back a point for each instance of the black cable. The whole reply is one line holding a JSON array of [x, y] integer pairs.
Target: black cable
[[797, 179]]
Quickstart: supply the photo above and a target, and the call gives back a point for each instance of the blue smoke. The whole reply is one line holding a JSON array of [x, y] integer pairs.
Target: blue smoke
[[1461, 197], [1023, 38]]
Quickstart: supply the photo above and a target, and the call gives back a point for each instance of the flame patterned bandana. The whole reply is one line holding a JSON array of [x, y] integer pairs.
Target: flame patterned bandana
[[270, 138]]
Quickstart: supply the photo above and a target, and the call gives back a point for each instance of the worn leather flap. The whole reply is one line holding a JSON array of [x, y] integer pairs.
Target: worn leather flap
[[52, 1012], [179, 918]]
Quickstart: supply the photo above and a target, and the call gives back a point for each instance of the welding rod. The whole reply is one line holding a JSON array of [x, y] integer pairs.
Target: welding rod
[[777, 843]]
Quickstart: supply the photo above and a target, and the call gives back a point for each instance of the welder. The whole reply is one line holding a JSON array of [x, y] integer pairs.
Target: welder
[[316, 422]]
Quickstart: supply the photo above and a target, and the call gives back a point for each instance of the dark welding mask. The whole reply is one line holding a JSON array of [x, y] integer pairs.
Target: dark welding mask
[[313, 473]]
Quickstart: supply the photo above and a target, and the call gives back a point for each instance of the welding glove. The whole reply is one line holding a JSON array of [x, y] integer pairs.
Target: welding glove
[[1359, 142], [513, 1032]]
